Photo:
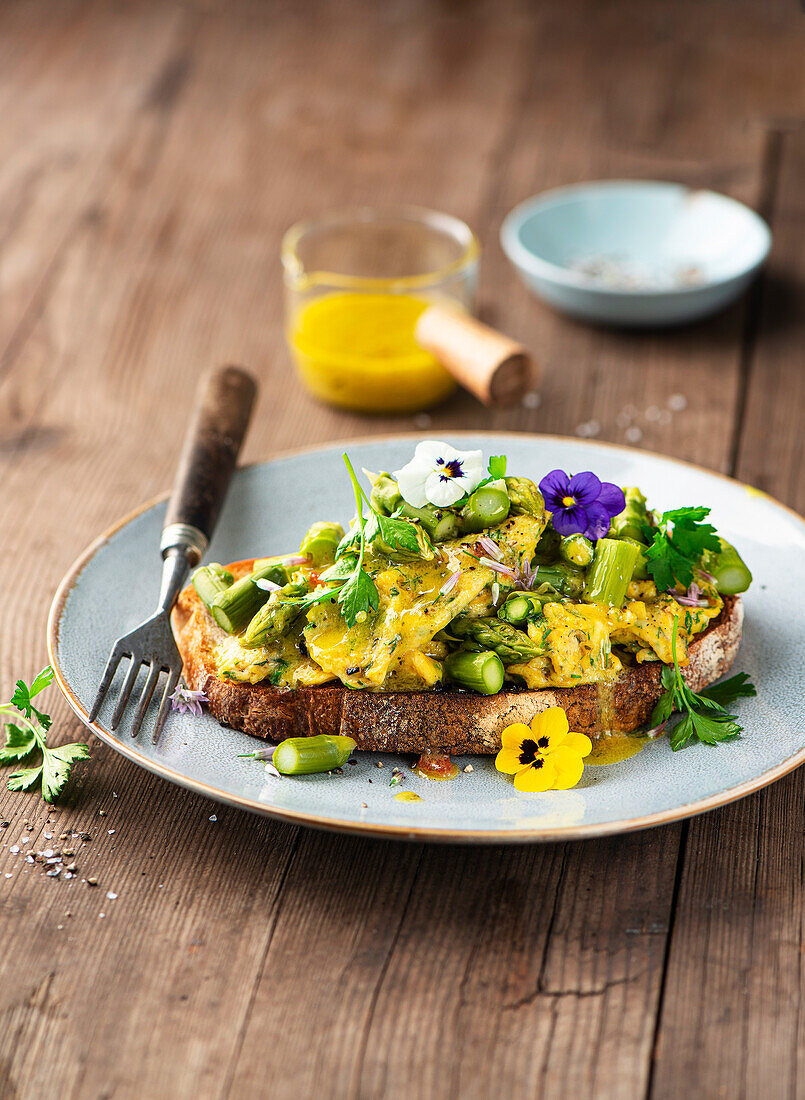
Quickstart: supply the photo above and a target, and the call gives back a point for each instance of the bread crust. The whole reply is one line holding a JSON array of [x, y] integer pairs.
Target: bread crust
[[446, 721]]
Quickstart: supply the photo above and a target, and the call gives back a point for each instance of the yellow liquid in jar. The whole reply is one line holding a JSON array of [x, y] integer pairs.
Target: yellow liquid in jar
[[358, 351]]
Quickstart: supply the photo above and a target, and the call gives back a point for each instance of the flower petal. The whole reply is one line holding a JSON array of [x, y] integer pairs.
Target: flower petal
[[570, 521], [554, 489], [612, 498], [549, 729], [569, 768], [597, 521], [584, 487], [431, 451], [411, 481], [514, 735], [534, 779], [578, 742], [440, 492], [508, 762]]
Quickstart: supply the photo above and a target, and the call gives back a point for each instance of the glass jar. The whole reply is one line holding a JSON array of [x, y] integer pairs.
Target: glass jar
[[355, 284]]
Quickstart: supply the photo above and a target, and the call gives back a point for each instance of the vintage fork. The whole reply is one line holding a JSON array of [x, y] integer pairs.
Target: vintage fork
[[209, 455]]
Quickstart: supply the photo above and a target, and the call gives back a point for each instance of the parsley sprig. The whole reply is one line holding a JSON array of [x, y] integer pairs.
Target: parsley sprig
[[347, 581], [701, 716], [677, 544], [28, 735]]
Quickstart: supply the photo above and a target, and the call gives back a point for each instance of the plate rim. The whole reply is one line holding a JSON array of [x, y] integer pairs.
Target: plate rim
[[370, 829]]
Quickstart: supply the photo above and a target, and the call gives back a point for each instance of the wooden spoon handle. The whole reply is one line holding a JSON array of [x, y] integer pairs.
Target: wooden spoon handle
[[223, 407]]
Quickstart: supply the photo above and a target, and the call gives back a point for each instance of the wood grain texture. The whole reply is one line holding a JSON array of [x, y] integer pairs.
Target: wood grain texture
[[152, 155], [732, 1015]]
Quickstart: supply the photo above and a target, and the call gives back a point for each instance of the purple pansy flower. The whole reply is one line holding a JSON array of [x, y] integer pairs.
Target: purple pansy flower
[[581, 504]]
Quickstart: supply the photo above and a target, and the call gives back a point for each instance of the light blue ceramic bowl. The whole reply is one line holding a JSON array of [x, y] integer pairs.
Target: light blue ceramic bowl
[[634, 252]]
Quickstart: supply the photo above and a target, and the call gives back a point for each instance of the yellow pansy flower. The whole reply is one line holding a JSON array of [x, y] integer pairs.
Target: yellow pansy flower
[[545, 756]]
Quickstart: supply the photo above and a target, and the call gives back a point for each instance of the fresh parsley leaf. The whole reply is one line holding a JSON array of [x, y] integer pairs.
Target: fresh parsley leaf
[[350, 542], [28, 735], [665, 705], [358, 596], [677, 544], [19, 744], [56, 768], [399, 534], [25, 779], [703, 717], [497, 467], [737, 687], [340, 572], [318, 595]]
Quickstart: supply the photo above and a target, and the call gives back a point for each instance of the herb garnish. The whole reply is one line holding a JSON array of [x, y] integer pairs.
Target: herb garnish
[[28, 734], [702, 716], [678, 542]]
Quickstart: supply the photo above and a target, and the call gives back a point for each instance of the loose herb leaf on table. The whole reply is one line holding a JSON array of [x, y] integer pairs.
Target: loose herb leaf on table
[[677, 544], [702, 716], [27, 734]]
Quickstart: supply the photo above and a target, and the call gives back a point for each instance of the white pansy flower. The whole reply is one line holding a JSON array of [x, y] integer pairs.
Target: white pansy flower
[[439, 474]]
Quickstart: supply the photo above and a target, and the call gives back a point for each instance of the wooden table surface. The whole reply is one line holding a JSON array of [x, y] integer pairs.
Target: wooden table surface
[[151, 154]]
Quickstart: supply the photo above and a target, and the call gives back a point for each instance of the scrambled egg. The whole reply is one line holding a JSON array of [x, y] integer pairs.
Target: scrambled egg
[[396, 649], [375, 654], [579, 638]]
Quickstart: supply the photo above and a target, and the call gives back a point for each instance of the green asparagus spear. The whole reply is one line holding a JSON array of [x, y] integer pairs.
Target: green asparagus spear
[[521, 607], [306, 755], [633, 519], [440, 524], [320, 543], [486, 507], [729, 569], [577, 550], [611, 571], [238, 605], [510, 644], [525, 498], [482, 671], [385, 495], [548, 546], [276, 617], [562, 577], [640, 571], [210, 581]]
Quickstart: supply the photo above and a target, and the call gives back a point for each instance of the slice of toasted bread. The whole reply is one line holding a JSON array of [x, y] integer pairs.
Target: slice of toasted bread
[[447, 721]]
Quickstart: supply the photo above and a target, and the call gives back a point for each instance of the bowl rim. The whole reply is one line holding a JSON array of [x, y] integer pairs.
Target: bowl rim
[[298, 277], [522, 257]]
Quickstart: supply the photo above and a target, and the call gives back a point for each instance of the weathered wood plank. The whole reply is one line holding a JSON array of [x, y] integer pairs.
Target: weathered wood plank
[[252, 116], [593, 1033], [731, 1022]]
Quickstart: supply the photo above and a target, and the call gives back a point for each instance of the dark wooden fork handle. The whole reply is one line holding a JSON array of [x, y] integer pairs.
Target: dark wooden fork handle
[[223, 407]]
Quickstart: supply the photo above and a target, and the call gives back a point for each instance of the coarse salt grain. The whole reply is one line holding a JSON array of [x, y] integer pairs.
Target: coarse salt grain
[[25, 840], [14, 849], [213, 818], [111, 896], [110, 831], [9, 874]]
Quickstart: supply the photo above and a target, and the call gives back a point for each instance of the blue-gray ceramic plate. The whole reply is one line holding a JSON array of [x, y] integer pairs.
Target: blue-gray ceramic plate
[[268, 510]]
